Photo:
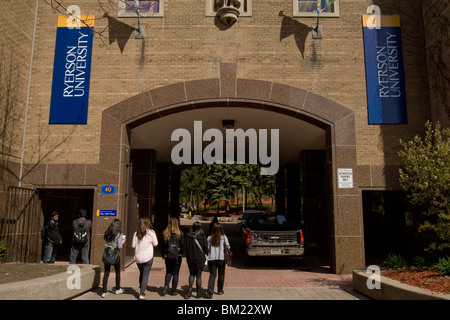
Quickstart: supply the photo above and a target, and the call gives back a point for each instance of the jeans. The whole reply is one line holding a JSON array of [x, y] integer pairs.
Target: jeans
[[75, 250], [49, 254], [216, 268], [106, 275], [144, 271], [172, 270]]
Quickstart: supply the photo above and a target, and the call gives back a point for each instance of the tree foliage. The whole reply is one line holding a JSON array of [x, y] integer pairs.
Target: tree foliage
[[213, 183], [425, 176]]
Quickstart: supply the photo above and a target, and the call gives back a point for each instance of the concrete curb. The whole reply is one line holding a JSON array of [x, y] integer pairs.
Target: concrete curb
[[391, 289], [65, 285]]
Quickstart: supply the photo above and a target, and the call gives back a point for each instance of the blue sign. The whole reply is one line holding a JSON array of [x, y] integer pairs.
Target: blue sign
[[108, 189], [71, 73], [106, 213], [386, 97]]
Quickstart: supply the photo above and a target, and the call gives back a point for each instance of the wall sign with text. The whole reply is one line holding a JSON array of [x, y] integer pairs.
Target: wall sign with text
[[386, 97], [71, 72]]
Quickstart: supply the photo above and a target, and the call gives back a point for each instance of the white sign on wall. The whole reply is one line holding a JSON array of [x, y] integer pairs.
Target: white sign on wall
[[345, 178]]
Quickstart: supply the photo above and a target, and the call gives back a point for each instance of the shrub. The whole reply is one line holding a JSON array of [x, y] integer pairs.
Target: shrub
[[425, 176], [2, 251], [395, 261], [421, 262], [443, 265]]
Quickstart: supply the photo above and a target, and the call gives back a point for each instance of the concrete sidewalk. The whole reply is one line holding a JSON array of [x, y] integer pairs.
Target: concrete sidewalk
[[240, 284]]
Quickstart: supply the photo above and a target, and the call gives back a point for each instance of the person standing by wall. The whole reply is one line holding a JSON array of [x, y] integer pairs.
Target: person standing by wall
[[144, 239], [81, 240], [196, 248], [216, 259], [172, 254], [52, 238], [114, 239]]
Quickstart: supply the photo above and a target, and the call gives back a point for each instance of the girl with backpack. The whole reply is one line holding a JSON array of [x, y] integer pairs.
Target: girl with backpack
[[172, 254], [114, 239], [144, 239], [196, 250]]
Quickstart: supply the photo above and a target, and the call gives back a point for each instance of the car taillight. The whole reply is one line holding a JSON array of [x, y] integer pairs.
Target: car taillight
[[301, 239], [248, 239]]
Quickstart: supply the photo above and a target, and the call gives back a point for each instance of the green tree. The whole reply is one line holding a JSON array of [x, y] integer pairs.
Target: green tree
[[425, 176], [219, 182]]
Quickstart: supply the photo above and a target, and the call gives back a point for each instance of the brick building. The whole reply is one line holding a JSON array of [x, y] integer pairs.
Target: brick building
[[269, 69]]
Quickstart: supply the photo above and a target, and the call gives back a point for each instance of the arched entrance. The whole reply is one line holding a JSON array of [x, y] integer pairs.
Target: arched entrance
[[229, 92]]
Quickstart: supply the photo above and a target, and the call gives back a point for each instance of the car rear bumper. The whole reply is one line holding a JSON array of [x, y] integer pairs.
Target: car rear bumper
[[275, 251]]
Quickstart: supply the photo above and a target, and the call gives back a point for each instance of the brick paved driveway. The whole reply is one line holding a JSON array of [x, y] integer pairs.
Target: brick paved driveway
[[285, 279]]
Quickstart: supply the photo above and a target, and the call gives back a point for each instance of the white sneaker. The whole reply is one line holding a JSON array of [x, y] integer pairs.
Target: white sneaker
[[119, 291], [104, 295]]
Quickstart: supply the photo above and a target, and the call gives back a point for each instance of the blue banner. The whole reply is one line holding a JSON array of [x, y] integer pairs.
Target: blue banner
[[71, 73], [386, 97]]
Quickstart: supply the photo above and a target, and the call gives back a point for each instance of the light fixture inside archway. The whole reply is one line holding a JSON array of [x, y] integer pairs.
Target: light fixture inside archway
[[228, 123]]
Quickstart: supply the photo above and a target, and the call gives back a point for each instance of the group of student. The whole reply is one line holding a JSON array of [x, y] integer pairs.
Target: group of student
[[199, 250], [80, 242]]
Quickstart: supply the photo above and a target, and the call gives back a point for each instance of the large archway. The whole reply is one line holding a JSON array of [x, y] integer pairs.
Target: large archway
[[230, 92]]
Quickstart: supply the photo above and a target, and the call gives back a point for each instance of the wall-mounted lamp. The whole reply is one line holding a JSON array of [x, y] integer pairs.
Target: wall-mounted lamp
[[228, 11]]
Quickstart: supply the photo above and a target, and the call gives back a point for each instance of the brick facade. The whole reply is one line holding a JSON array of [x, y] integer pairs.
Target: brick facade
[[187, 48]]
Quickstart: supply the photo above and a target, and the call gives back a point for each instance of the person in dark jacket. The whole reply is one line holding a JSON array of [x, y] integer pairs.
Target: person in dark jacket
[[211, 225], [172, 253], [51, 238], [196, 248]]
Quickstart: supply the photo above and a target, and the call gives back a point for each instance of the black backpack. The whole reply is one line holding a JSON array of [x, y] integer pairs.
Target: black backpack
[[80, 235], [173, 247]]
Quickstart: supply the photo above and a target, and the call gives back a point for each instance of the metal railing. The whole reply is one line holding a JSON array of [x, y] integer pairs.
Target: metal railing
[[21, 225]]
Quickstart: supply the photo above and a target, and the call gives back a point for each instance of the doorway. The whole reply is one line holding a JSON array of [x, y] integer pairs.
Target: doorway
[[67, 202]]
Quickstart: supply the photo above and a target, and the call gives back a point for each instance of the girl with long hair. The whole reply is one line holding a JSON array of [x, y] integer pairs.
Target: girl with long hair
[[172, 254], [144, 239], [216, 259], [196, 249], [114, 239]]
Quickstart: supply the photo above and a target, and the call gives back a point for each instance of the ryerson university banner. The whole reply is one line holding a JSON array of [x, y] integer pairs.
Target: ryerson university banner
[[71, 72], [386, 97]]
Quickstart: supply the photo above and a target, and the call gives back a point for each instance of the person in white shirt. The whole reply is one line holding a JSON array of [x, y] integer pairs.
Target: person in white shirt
[[216, 259], [144, 240]]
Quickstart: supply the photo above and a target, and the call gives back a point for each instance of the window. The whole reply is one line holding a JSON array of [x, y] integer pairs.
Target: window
[[147, 8], [307, 8], [245, 9]]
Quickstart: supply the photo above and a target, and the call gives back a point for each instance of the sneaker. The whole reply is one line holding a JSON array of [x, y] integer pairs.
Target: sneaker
[[120, 291], [142, 298], [164, 291], [221, 292], [104, 295], [174, 293], [189, 293]]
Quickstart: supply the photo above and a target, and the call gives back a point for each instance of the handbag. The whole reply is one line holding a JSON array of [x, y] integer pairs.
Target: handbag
[[205, 266], [111, 256], [228, 255]]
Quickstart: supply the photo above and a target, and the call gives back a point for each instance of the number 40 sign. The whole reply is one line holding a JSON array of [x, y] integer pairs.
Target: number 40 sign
[[108, 189]]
